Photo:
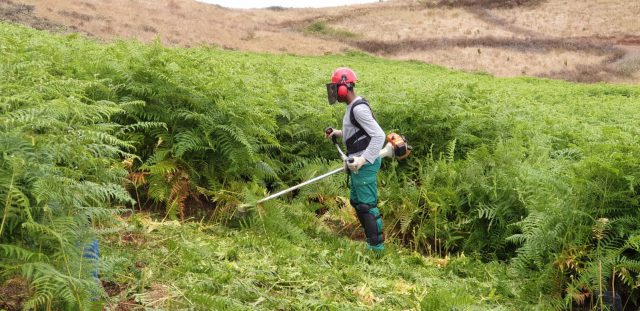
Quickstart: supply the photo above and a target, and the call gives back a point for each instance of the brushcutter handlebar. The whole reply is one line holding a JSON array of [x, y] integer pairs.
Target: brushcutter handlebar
[[328, 131]]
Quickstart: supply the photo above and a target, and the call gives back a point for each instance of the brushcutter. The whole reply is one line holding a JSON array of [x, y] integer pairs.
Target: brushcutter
[[396, 147]]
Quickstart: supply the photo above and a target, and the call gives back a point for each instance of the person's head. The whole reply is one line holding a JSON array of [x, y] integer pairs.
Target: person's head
[[343, 80]]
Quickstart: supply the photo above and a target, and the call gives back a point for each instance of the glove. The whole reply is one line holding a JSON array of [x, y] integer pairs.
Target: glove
[[357, 163]]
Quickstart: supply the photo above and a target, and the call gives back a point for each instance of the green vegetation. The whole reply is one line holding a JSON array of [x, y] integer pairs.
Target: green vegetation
[[535, 181], [170, 265], [320, 28]]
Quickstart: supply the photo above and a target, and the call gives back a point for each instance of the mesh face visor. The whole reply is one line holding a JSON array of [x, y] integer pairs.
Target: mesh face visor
[[332, 92]]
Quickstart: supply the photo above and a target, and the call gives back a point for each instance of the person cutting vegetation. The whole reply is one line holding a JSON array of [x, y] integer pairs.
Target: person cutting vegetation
[[364, 139]]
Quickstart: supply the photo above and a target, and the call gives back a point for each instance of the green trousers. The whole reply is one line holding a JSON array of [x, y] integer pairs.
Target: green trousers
[[364, 198]]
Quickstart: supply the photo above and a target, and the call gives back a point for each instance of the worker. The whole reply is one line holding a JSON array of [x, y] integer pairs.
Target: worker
[[364, 139]]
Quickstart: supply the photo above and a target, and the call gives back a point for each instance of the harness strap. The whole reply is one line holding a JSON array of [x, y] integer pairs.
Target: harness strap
[[360, 140]]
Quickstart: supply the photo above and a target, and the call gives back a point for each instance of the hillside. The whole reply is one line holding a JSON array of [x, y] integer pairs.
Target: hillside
[[521, 193], [585, 41]]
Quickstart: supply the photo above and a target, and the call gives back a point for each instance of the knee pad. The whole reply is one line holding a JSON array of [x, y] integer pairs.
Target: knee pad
[[360, 218], [371, 222]]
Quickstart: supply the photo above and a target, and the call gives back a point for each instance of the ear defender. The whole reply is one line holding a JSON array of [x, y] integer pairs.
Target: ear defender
[[342, 91]]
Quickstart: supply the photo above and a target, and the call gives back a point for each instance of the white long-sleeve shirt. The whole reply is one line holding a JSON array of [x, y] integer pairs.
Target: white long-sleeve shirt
[[364, 116]]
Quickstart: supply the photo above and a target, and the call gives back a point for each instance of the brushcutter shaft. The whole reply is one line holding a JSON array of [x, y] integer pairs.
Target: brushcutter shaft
[[310, 181], [342, 155]]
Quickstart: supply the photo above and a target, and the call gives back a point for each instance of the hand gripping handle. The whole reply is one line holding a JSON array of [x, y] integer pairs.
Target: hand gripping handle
[[328, 131]]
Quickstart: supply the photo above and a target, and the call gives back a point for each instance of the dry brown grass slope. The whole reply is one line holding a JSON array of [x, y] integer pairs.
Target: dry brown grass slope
[[184, 23], [587, 40]]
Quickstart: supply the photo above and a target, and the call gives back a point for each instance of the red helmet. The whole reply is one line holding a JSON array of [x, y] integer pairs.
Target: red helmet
[[342, 80], [343, 75]]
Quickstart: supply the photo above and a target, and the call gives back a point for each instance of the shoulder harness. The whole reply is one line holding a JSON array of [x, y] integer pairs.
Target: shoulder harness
[[360, 140]]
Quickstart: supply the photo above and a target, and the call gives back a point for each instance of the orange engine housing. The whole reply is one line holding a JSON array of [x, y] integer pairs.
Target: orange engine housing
[[401, 149]]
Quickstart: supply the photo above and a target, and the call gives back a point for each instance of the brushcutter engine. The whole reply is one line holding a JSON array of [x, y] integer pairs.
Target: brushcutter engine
[[397, 147]]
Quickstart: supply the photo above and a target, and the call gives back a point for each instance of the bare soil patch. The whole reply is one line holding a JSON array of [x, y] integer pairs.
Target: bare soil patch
[[522, 45], [186, 23], [112, 288], [13, 294], [503, 62], [483, 3], [568, 18], [21, 13], [128, 305]]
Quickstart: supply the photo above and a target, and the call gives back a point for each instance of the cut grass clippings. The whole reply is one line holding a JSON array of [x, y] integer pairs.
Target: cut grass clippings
[[199, 266]]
